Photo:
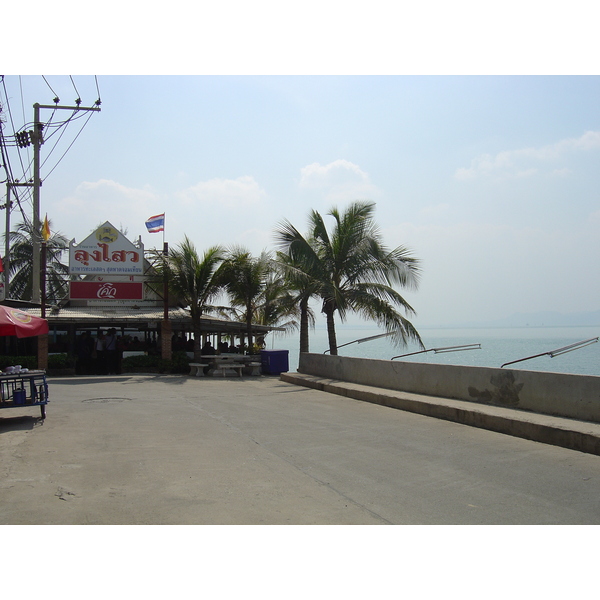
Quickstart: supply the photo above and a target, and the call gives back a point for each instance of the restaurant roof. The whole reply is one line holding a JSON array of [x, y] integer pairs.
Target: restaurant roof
[[139, 317]]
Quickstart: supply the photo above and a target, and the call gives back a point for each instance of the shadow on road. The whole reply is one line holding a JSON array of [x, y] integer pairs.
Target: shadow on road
[[22, 423]]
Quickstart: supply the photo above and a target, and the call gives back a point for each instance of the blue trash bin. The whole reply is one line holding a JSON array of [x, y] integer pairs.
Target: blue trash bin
[[274, 362], [19, 396]]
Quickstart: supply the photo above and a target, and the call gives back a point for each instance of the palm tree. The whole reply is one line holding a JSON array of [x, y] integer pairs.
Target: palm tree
[[21, 263], [350, 269], [194, 280], [274, 305], [277, 306], [296, 264], [244, 278]]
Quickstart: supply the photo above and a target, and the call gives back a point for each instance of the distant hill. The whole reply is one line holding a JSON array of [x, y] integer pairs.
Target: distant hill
[[543, 319]]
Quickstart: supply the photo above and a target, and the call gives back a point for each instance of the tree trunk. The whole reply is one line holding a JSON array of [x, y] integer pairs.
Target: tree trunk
[[249, 334], [331, 332], [304, 325], [197, 343]]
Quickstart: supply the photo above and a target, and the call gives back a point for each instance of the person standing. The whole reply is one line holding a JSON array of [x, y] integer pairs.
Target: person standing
[[85, 349], [110, 350], [100, 353]]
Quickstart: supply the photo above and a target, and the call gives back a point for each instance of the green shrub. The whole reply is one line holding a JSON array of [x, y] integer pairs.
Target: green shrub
[[140, 361], [180, 363], [61, 361], [27, 362]]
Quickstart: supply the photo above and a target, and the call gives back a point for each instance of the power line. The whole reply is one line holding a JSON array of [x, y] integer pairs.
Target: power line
[[65, 152], [98, 90], [56, 98], [51, 129], [11, 117], [78, 101]]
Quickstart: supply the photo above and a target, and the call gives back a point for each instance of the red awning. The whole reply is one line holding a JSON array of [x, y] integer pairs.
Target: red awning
[[17, 322]]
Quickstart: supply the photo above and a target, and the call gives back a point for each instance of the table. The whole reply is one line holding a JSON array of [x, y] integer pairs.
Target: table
[[24, 389], [228, 364]]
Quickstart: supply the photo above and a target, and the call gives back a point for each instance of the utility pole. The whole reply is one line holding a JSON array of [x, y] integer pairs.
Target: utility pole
[[35, 233], [37, 140]]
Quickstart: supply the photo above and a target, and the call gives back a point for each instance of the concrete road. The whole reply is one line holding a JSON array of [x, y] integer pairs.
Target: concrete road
[[180, 450]]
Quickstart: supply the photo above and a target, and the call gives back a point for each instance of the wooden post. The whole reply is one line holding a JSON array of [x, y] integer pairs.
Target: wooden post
[[42, 354], [166, 330], [165, 340]]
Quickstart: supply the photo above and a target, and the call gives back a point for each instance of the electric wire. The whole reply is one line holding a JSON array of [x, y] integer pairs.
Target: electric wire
[[12, 120], [22, 194], [22, 100], [78, 101], [56, 98], [6, 160], [98, 90], [62, 132], [29, 157], [69, 147]]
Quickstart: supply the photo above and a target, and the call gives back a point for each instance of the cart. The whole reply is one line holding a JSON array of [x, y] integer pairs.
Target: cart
[[23, 388], [18, 390]]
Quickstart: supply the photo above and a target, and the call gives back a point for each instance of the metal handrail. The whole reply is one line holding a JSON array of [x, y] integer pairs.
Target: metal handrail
[[557, 352], [361, 340], [442, 350]]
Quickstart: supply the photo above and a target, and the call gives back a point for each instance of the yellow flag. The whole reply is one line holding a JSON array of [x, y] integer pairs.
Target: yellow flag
[[46, 229]]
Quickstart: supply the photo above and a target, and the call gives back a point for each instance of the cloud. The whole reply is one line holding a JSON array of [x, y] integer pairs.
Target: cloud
[[216, 211], [93, 203], [526, 162], [335, 173], [231, 193], [340, 180], [110, 192]]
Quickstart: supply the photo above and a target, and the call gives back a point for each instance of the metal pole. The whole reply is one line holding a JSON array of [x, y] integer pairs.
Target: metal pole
[[36, 205], [557, 352], [442, 350], [166, 284], [367, 339], [6, 261]]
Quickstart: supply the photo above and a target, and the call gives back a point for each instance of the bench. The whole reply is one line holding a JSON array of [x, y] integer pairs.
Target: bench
[[226, 366], [197, 369]]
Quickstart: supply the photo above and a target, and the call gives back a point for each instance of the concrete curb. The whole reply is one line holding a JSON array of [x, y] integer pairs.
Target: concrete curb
[[583, 436]]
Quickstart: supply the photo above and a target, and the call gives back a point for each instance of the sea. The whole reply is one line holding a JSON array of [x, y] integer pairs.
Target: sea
[[491, 347]]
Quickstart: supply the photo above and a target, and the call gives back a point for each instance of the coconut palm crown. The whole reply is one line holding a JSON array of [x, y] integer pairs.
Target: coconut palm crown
[[21, 263], [194, 279], [245, 279], [351, 270]]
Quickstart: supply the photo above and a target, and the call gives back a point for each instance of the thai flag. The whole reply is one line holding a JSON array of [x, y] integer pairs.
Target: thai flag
[[156, 223]]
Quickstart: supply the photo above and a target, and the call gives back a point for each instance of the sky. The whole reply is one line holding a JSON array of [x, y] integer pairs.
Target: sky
[[491, 180]]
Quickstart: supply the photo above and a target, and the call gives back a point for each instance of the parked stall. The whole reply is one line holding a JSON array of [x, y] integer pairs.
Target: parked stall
[[20, 387]]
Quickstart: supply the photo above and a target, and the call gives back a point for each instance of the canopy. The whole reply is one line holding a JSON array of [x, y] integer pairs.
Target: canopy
[[16, 322]]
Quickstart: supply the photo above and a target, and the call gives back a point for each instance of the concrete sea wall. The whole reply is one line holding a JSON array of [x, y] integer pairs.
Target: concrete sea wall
[[571, 396]]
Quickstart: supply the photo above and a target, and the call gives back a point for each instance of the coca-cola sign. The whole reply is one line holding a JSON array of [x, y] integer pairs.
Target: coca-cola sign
[[106, 290], [106, 252]]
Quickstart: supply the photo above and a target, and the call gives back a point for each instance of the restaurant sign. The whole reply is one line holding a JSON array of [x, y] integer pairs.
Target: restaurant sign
[[105, 290], [106, 252]]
